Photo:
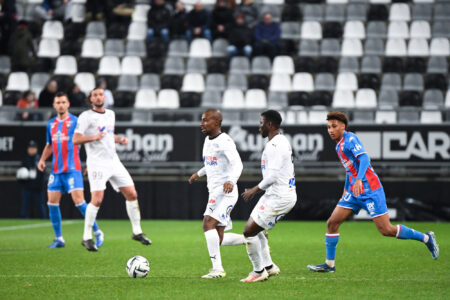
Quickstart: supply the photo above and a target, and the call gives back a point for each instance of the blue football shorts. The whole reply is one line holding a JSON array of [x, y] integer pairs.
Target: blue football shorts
[[65, 182], [374, 202]]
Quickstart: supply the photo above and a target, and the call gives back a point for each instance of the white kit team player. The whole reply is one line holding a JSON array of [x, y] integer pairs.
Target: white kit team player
[[279, 198], [222, 166], [95, 128]]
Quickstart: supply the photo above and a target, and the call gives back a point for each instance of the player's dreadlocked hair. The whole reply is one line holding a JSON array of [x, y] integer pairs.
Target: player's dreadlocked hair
[[338, 115], [272, 116]]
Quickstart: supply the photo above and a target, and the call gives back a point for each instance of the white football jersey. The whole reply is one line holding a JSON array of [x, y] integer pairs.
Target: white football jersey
[[90, 123], [276, 161], [222, 162]]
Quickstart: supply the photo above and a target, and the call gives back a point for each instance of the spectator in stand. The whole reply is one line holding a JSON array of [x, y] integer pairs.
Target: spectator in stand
[[109, 101], [266, 35], [95, 9], [250, 11], [48, 94], [178, 24], [240, 38], [76, 97], [21, 48], [28, 100], [158, 21], [221, 19], [54, 10], [8, 18], [198, 23]]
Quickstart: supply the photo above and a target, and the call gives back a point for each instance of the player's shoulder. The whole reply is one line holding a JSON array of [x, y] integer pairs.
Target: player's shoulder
[[109, 112], [51, 121], [351, 137], [73, 117], [85, 114]]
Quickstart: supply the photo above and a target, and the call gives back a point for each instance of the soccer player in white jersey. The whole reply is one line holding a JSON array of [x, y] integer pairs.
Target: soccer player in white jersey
[[222, 166], [279, 197], [95, 128]]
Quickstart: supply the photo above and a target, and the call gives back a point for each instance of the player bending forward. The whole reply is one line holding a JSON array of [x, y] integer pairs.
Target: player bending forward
[[362, 189], [280, 196], [223, 167], [65, 175], [96, 129]]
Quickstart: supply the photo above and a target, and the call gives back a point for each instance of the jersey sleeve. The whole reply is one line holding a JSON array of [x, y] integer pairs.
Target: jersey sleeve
[[82, 124], [234, 159], [275, 158], [49, 133], [355, 146]]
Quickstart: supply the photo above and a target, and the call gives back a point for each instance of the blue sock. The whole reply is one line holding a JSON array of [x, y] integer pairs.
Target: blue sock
[[55, 217], [82, 208], [406, 233], [331, 241]]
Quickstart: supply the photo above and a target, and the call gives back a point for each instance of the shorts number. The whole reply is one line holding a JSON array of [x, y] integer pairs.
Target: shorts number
[[96, 175]]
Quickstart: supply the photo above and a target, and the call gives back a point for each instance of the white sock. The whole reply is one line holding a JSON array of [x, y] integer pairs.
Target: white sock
[[135, 215], [330, 262], [232, 239], [254, 252], [265, 252], [60, 238], [89, 219], [425, 238], [212, 241]]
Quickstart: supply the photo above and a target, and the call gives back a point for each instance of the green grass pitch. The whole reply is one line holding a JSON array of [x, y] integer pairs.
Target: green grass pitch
[[369, 266]]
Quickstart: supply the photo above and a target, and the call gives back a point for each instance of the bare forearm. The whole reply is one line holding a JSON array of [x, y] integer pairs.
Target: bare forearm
[[79, 139], [46, 152]]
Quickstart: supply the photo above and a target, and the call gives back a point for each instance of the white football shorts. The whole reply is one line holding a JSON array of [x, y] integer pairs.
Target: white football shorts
[[115, 173], [220, 206], [270, 209]]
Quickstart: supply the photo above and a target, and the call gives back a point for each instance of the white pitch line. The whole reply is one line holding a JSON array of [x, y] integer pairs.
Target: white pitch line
[[36, 225]]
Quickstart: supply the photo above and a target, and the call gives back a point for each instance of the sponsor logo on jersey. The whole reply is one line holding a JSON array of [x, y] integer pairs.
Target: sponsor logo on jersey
[[210, 160], [261, 207], [59, 137], [212, 201], [263, 164], [69, 124]]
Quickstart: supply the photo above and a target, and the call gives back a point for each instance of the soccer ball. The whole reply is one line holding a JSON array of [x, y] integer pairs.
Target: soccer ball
[[138, 267]]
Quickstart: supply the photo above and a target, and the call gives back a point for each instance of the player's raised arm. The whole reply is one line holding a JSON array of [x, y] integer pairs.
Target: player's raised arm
[[45, 155]]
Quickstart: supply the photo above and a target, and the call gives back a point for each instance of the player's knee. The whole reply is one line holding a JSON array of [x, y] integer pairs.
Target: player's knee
[[387, 231], [332, 225]]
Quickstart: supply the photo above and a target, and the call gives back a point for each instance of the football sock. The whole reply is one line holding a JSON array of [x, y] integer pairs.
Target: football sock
[[212, 242], [265, 251], [89, 219], [232, 239], [254, 252], [331, 240], [82, 208], [406, 233], [135, 215], [55, 218]]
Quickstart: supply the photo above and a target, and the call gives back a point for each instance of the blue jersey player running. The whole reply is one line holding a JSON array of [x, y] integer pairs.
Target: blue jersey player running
[[65, 174], [362, 189]]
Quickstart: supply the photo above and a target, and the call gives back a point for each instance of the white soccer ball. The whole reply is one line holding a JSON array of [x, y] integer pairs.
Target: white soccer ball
[[138, 267]]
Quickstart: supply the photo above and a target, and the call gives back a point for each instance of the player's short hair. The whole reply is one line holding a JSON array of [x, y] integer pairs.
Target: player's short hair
[[272, 116], [338, 115], [61, 94]]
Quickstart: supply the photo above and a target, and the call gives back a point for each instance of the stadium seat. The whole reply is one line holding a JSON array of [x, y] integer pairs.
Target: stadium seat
[[150, 81], [137, 31], [422, 11], [196, 65], [140, 13], [66, 65], [131, 65], [117, 30], [11, 98], [211, 98], [219, 48], [410, 98], [109, 65], [53, 30], [377, 12], [311, 30], [171, 82], [399, 12], [376, 29], [156, 48], [352, 47], [283, 65], [217, 65], [200, 48], [343, 98], [70, 47], [354, 30], [393, 65], [408, 117], [420, 29], [78, 13], [174, 65], [240, 65], [369, 81], [431, 117], [308, 48], [388, 99], [324, 82], [327, 65], [85, 81], [215, 82], [317, 117], [441, 11], [313, 12], [291, 13], [258, 82], [413, 82], [114, 47], [348, 64], [415, 65], [441, 29], [433, 99], [332, 30], [363, 117], [321, 99], [299, 99], [190, 99], [398, 30], [277, 100], [305, 64], [48, 48], [290, 30], [89, 65], [356, 12], [193, 83], [136, 48], [447, 99], [440, 47], [374, 47], [366, 98], [335, 13], [371, 64], [261, 65], [128, 83], [233, 99], [237, 81], [330, 47], [346, 81], [178, 48], [255, 98], [18, 81], [395, 47], [302, 82], [96, 30], [5, 64], [168, 98], [436, 81], [38, 82], [437, 64], [418, 47], [92, 48], [280, 83], [385, 117]]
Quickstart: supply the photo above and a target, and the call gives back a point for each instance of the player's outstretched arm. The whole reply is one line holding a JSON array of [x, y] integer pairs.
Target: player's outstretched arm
[[120, 140], [45, 155], [193, 178], [79, 139]]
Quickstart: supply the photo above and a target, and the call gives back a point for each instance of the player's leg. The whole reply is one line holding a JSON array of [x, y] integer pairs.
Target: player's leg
[[89, 218], [134, 213], [54, 214], [232, 239], [403, 232], [339, 215], [213, 236]]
